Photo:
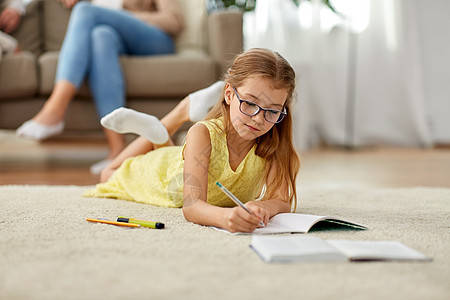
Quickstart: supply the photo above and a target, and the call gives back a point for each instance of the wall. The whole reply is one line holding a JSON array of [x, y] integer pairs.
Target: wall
[[434, 34]]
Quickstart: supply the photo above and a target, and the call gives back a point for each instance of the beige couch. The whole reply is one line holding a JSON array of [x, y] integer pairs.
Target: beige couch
[[154, 84]]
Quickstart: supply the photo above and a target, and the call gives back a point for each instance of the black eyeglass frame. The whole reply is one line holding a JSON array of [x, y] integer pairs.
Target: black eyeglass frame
[[280, 118]]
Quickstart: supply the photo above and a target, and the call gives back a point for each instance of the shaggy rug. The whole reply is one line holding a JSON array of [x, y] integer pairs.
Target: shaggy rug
[[49, 251]]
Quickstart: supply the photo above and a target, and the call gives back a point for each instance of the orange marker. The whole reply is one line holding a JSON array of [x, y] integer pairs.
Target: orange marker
[[114, 223]]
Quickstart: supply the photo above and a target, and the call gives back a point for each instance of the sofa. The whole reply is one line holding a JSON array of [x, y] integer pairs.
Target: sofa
[[154, 84]]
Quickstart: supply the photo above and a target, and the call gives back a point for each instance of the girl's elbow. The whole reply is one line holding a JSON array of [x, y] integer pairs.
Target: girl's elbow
[[188, 214], [286, 206]]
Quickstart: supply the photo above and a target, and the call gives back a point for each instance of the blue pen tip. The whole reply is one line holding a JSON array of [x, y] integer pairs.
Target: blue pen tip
[[218, 184]]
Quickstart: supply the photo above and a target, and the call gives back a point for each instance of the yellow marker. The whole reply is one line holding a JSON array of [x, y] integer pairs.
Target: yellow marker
[[113, 223], [154, 225]]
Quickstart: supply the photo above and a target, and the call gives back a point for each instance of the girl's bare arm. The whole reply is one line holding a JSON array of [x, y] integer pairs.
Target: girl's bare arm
[[195, 208]]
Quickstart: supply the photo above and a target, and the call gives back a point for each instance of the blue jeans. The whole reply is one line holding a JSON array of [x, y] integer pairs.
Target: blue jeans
[[94, 40]]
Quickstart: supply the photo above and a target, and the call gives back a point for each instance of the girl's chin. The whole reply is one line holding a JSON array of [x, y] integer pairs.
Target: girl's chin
[[246, 132], [249, 135]]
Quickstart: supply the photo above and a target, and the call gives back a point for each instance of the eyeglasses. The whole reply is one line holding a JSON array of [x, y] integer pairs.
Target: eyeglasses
[[252, 109]]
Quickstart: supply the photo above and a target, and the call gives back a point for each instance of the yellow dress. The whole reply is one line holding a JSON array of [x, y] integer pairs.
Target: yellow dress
[[157, 177]]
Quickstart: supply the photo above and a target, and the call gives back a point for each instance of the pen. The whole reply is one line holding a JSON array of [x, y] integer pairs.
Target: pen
[[113, 223], [155, 225], [236, 200]]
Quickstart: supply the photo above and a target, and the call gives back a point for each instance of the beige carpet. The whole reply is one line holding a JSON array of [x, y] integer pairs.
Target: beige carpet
[[49, 251]]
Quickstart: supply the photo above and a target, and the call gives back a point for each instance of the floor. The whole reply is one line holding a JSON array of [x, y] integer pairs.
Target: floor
[[66, 161]]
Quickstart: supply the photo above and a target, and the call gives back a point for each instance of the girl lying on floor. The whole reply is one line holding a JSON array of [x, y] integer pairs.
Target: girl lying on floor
[[245, 142]]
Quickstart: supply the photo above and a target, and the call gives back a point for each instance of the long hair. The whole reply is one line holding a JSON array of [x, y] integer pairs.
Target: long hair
[[276, 145]]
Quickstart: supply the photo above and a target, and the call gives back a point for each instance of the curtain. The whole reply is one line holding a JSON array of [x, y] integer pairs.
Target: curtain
[[360, 75]]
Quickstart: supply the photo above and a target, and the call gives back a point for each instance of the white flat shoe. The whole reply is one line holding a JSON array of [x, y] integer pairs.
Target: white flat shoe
[[98, 167], [36, 131]]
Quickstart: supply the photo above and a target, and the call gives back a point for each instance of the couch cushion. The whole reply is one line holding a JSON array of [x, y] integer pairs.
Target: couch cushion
[[168, 75], [28, 33], [18, 75], [56, 18], [148, 76], [194, 34]]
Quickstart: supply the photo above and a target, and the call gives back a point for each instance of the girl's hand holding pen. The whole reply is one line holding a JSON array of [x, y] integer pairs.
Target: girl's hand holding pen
[[238, 220], [258, 209]]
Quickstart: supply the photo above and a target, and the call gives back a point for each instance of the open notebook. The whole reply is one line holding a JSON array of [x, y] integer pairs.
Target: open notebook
[[295, 248], [301, 223]]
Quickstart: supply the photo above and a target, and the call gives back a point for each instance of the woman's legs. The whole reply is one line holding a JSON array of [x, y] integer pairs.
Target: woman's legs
[[106, 80], [136, 37], [76, 57], [49, 120], [72, 67], [55, 107]]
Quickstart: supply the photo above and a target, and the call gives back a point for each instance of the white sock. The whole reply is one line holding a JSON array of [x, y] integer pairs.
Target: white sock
[[36, 131], [202, 101], [125, 120], [99, 166]]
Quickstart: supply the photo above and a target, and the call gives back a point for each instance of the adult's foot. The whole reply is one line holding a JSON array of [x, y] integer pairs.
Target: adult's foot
[[37, 131]]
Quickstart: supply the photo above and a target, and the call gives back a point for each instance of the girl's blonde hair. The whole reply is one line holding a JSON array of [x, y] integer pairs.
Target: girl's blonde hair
[[276, 145]]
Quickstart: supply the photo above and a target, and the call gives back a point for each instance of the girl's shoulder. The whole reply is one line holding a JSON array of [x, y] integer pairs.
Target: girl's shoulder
[[198, 130], [214, 126], [210, 135], [198, 140]]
